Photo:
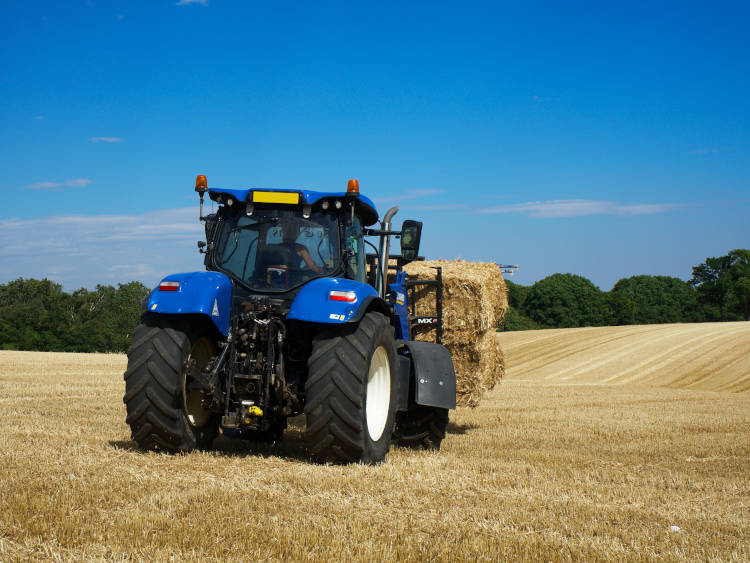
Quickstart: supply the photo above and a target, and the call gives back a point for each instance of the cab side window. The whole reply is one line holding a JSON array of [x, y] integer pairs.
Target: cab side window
[[355, 263]]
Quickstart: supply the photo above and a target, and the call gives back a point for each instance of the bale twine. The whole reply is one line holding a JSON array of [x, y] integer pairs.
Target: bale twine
[[474, 302]]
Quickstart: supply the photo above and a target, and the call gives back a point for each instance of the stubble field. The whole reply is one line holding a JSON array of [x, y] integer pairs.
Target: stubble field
[[597, 444]]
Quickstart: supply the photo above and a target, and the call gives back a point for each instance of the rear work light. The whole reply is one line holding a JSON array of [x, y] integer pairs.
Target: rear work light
[[169, 286], [347, 296]]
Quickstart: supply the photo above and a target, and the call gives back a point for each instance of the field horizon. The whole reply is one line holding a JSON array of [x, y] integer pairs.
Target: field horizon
[[625, 443]]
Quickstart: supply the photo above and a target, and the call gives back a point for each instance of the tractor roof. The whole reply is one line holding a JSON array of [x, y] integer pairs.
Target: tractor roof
[[365, 208]]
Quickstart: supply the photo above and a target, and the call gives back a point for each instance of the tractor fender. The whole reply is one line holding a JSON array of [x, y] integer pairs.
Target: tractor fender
[[431, 373], [313, 303], [206, 293]]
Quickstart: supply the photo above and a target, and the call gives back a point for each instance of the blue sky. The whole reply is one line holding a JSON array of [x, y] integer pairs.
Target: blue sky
[[603, 139]]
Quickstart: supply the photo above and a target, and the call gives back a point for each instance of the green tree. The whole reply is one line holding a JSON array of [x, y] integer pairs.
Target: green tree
[[514, 319], [652, 300], [517, 293], [565, 300], [713, 280], [38, 315], [31, 314], [739, 272]]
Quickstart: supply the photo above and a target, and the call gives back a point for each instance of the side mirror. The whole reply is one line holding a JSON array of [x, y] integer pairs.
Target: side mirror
[[411, 233]]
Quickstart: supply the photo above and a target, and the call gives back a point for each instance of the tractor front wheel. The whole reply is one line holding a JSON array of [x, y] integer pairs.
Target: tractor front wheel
[[164, 404], [351, 392]]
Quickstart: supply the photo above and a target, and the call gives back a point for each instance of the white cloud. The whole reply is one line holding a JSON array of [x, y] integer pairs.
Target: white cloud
[[186, 2], [107, 139], [439, 207], [43, 185], [83, 250], [407, 195], [76, 183], [579, 207], [38, 117], [131, 272]]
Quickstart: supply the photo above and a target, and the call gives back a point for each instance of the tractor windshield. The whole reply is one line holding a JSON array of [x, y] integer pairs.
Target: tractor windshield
[[277, 250]]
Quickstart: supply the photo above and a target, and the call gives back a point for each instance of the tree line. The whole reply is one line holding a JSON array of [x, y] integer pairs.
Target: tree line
[[39, 315], [719, 290]]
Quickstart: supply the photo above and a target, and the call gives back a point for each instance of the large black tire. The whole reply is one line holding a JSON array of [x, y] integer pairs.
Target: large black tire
[[421, 427], [342, 426], [163, 408]]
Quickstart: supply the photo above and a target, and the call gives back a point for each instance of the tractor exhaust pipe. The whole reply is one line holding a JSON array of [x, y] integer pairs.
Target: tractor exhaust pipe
[[385, 249]]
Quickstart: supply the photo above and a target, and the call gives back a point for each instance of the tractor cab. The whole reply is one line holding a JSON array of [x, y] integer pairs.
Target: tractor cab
[[276, 241]]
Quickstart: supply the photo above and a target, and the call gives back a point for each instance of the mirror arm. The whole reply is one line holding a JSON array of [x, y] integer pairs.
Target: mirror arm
[[378, 232]]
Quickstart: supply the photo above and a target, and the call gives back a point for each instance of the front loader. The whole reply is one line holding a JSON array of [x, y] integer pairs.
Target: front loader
[[291, 316]]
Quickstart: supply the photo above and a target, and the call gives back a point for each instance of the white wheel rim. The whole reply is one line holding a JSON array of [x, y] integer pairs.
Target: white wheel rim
[[378, 401]]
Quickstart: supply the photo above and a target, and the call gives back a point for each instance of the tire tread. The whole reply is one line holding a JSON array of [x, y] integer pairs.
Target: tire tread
[[153, 387], [337, 372]]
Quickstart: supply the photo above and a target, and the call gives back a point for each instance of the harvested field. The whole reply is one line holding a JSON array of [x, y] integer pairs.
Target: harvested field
[[541, 469], [706, 356]]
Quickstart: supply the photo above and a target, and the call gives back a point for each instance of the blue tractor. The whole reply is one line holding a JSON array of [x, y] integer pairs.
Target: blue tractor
[[292, 316]]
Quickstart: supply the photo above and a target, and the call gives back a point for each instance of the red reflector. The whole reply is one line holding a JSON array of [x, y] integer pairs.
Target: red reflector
[[169, 286], [348, 296]]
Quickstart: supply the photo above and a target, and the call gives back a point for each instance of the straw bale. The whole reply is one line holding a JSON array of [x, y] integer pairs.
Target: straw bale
[[474, 297], [478, 368], [474, 302]]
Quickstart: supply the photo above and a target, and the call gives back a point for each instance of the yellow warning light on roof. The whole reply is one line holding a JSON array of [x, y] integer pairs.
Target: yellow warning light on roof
[[288, 198], [201, 184], [352, 187]]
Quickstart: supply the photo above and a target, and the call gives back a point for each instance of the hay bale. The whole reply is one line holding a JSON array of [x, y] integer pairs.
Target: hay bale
[[478, 368], [474, 302], [474, 297]]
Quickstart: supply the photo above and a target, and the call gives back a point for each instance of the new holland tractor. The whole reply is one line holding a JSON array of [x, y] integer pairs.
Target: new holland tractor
[[292, 316]]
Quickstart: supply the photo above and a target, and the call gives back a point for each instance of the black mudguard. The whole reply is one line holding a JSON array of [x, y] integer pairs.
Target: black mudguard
[[431, 374]]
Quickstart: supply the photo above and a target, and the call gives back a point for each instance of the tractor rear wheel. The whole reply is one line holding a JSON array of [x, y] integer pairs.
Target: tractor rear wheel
[[164, 404], [351, 392], [421, 427]]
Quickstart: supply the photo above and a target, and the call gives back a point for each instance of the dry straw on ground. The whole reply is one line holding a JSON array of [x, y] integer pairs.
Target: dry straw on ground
[[543, 471], [474, 302]]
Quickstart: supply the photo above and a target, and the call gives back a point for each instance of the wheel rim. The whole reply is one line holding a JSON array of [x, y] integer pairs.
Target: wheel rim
[[202, 351], [378, 400]]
